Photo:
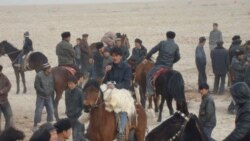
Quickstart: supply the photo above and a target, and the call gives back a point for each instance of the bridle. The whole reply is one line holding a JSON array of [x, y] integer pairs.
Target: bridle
[[178, 133]]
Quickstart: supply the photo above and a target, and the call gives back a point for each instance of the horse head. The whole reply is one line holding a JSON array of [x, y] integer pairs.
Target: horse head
[[2, 48], [92, 95]]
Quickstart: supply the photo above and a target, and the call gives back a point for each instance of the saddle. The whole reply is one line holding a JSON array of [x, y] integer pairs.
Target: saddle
[[157, 74]]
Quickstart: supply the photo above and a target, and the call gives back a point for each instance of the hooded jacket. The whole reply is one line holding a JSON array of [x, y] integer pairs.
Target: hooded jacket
[[241, 95]]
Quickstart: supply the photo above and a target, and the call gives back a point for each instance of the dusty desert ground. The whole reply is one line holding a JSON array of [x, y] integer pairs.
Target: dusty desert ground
[[146, 20]]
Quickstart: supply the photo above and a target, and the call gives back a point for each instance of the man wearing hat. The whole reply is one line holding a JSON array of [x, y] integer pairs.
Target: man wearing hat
[[65, 51], [220, 64], [119, 74], [44, 86], [214, 36], [98, 61], [201, 61], [236, 42], [125, 51], [64, 129], [139, 53], [168, 55], [238, 67]]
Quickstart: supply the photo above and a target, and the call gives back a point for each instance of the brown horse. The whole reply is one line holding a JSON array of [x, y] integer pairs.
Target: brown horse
[[140, 79], [102, 124]]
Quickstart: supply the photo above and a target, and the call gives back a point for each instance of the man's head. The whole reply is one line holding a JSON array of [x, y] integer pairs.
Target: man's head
[[40, 135], [118, 42], [138, 43], [236, 37], [12, 134], [170, 35], [202, 40], [78, 41], [106, 52], [239, 54], [26, 34], [47, 68], [220, 43], [100, 47], [51, 129], [64, 128], [85, 36], [203, 89], [1, 68], [215, 26], [72, 82], [66, 36], [116, 54], [80, 77]]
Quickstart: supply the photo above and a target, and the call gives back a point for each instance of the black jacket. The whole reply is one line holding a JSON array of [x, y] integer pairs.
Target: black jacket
[[207, 114], [247, 75], [220, 61], [200, 57], [98, 64], [27, 45], [74, 102], [232, 49], [241, 95]]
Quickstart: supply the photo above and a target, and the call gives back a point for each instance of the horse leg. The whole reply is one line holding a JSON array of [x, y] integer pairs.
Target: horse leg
[[143, 98], [24, 82], [17, 80], [150, 99], [56, 102], [161, 108], [156, 102], [170, 106]]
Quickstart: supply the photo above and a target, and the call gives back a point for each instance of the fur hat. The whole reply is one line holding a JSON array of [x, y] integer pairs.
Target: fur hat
[[62, 125], [26, 34], [138, 41], [99, 45], [203, 86], [236, 37], [65, 35], [170, 35], [116, 50]]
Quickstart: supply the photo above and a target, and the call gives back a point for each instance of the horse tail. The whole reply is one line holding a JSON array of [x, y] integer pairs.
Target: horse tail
[[137, 93], [176, 86]]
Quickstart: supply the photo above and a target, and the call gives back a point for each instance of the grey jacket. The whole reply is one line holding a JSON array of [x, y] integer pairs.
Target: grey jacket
[[200, 56], [207, 115], [44, 84], [65, 53], [214, 37], [74, 102], [238, 70], [138, 54], [168, 53], [220, 61]]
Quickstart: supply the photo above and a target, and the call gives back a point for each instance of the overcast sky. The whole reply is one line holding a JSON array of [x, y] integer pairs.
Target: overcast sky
[[31, 2]]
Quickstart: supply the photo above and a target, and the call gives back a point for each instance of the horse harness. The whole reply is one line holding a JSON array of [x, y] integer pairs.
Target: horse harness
[[187, 118]]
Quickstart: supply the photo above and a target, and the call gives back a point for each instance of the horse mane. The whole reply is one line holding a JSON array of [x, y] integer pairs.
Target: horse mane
[[93, 83]]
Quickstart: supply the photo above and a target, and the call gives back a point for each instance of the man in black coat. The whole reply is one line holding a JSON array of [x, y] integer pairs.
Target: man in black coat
[[236, 42], [220, 64], [201, 61], [241, 96]]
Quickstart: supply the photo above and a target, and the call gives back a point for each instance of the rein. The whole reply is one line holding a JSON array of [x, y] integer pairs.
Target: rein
[[178, 133]]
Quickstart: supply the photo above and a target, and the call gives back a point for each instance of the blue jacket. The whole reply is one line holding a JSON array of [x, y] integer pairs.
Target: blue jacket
[[200, 56], [121, 74], [168, 53]]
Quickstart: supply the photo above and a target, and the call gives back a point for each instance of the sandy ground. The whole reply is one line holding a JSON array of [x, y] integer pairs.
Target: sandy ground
[[148, 21]]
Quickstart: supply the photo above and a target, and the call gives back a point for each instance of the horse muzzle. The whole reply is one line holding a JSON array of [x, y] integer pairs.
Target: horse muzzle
[[86, 108]]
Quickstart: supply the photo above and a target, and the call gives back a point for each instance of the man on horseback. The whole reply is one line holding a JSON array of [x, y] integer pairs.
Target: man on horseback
[[65, 51], [119, 73], [168, 55]]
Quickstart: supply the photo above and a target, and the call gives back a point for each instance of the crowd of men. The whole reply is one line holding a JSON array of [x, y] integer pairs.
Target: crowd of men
[[108, 63]]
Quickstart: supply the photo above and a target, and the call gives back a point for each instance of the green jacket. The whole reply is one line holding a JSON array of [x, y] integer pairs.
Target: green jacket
[[65, 53]]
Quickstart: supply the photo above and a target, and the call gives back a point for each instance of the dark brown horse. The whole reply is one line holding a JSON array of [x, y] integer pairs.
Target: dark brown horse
[[102, 125], [183, 128], [13, 52]]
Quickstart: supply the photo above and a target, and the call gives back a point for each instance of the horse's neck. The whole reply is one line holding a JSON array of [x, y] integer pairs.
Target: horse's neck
[[11, 51], [98, 115]]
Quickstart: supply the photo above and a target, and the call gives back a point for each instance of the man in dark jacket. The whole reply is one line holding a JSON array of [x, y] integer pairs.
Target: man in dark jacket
[[138, 54], [201, 61], [98, 61], [85, 54], [77, 49], [125, 51], [65, 51], [241, 96], [247, 73], [220, 64], [236, 42], [74, 106], [238, 66], [44, 86], [207, 114], [168, 55], [5, 108]]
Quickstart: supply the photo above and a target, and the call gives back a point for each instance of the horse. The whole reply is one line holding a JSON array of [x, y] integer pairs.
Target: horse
[[13, 53], [183, 128], [102, 124]]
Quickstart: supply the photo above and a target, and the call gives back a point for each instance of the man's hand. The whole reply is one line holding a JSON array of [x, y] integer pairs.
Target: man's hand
[[145, 61], [108, 68], [91, 61]]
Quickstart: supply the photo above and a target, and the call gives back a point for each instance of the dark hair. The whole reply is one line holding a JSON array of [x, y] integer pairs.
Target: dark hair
[[72, 79], [12, 134], [220, 43], [215, 24], [239, 52], [138, 41], [99, 45], [203, 86], [116, 50], [40, 135], [47, 126], [78, 75], [202, 39], [78, 39], [65, 35], [170, 35], [1, 68], [62, 125]]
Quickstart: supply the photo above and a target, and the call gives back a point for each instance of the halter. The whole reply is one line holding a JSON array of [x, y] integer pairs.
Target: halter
[[178, 133]]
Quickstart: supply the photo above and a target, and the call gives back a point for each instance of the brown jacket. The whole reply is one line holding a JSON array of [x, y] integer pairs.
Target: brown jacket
[[4, 88]]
